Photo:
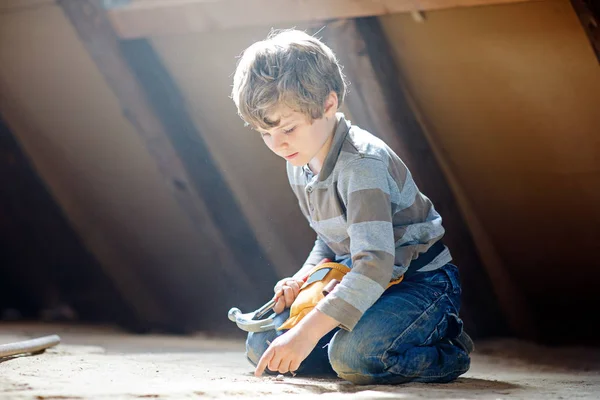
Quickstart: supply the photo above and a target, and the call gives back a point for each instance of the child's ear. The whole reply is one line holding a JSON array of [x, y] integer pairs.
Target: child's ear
[[331, 104]]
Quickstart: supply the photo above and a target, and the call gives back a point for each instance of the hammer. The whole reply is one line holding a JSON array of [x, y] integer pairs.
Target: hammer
[[252, 322]]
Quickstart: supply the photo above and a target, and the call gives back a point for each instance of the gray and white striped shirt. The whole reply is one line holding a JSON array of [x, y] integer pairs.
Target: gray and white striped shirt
[[365, 205]]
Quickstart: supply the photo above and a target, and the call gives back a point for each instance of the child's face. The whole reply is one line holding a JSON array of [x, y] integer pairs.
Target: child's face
[[298, 140]]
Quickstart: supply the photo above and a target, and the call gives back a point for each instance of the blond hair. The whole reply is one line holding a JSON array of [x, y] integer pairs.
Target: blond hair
[[288, 68]]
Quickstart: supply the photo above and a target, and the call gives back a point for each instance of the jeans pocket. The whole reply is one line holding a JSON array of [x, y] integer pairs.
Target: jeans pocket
[[453, 290], [442, 279], [453, 276], [449, 327], [455, 326], [438, 332]]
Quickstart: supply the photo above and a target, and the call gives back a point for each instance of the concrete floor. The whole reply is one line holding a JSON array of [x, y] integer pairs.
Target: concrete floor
[[103, 363]]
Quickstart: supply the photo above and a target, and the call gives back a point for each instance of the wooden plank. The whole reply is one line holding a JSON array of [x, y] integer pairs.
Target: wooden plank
[[157, 112], [380, 103], [588, 12], [156, 18]]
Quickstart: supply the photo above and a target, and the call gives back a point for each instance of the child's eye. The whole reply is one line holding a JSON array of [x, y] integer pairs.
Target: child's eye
[[289, 130]]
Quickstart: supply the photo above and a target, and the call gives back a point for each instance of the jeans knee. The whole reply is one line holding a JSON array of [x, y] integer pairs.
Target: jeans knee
[[256, 345], [258, 342], [349, 361]]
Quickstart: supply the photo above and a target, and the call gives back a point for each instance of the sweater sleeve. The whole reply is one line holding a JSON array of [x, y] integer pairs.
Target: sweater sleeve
[[364, 187], [319, 251]]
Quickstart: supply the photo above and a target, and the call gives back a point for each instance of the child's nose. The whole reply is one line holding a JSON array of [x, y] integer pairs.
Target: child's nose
[[279, 142]]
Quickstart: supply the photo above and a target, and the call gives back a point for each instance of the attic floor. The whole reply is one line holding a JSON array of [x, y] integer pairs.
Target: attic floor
[[103, 363]]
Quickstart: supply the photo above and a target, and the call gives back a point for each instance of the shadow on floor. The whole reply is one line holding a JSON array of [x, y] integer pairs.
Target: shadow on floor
[[435, 390]]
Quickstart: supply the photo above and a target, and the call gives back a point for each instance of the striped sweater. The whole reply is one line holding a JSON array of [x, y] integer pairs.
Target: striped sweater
[[364, 205]]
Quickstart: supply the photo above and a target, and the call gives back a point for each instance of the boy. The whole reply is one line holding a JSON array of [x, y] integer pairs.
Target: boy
[[368, 214]]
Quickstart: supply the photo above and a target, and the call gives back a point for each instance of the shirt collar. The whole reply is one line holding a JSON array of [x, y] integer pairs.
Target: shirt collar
[[339, 136]]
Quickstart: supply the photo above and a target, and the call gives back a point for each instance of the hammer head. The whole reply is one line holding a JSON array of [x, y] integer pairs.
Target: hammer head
[[251, 322]]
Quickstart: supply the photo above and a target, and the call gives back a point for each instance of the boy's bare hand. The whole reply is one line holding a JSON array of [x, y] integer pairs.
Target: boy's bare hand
[[286, 291], [286, 352]]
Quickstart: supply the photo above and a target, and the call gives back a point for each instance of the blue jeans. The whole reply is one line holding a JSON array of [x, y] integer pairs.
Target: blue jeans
[[404, 337]]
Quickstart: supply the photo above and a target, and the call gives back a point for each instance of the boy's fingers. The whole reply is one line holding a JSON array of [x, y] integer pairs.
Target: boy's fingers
[[280, 284], [273, 365], [295, 287], [288, 294], [294, 365], [279, 305], [284, 366], [263, 362]]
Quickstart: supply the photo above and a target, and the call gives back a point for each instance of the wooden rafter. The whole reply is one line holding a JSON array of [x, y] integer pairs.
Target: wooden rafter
[[163, 17]]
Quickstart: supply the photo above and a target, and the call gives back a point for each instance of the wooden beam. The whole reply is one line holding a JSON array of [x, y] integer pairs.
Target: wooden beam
[[164, 17], [236, 270], [588, 12], [380, 103]]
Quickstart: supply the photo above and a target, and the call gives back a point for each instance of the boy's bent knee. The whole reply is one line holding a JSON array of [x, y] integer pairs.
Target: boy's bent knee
[[256, 344], [365, 361], [350, 359]]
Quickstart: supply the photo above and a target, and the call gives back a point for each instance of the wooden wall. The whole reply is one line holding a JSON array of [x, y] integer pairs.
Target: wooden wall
[[511, 95]]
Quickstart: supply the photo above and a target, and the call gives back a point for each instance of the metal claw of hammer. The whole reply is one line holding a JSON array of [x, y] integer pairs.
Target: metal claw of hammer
[[252, 322]]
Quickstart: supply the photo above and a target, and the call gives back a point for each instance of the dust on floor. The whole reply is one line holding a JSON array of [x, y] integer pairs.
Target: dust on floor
[[102, 363]]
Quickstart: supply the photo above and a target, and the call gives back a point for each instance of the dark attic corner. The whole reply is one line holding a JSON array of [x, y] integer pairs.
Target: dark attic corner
[[144, 229], [47, 273]]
